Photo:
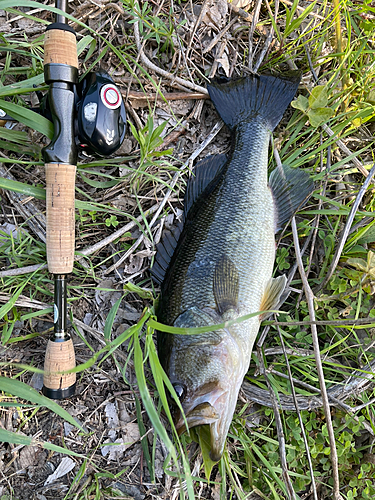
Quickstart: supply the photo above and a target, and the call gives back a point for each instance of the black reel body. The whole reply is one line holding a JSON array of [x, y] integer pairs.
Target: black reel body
[[101, 116], [99, 111]]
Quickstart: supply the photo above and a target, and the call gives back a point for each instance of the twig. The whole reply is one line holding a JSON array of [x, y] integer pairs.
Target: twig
[[112, 237], [169, 96], [346, 230], [317, 217], [26, 208], [325, 322], [314, 332], [146, 61], [268, 41], [195, 27], [356, 383], [251, 32], [345, 150], [24, 301], [21, 270], [246, 16], [218, 37], [299, 416], [279, 428]]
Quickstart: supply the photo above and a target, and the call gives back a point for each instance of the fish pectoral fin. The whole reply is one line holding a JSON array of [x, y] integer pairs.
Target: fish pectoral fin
[[205, 172], [226, 283], [290, 189], [272, 294]]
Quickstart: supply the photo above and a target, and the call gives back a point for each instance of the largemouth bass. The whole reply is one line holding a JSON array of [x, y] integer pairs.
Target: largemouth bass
[[220, 267]]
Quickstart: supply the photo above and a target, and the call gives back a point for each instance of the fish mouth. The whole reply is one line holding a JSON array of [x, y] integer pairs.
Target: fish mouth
[[201, 414], [217, 416]]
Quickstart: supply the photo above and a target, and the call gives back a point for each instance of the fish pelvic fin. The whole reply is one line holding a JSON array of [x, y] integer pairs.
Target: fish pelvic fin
[[290, 187], [253, 96], [272, 295], [226, 284]]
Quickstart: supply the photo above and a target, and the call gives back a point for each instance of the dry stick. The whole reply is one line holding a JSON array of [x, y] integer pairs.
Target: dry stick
[[337, 402], [246, 16], [317, 217], [32, 215], [345, 150], [169, 96], [356, 383], [279, 428], [160, 71], [299, 417], [112, 237], [346, 230], [340, 322], [269, 38], [216, 129], [251, 32], [218, 37], [310, 303], [197, 23], [22, 270]]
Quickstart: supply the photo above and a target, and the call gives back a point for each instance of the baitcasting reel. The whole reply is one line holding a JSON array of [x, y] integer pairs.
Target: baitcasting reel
[[99, 115]]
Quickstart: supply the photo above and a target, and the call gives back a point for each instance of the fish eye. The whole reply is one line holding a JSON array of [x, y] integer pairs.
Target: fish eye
[[180, 391]]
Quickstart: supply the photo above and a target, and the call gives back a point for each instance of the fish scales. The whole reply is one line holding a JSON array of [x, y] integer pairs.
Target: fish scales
[[222, 266], [236, 220]]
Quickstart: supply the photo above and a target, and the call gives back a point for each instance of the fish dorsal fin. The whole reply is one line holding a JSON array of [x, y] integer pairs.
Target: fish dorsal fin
[[205, 171], [226, 285], [164, 251], [290, 188], [272, 294]]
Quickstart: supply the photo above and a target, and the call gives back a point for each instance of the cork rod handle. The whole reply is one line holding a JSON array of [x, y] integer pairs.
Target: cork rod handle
[[60, 183], [60, 47], [59, 357]]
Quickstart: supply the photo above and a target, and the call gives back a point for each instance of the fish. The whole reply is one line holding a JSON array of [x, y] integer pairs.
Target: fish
[[217, 266]]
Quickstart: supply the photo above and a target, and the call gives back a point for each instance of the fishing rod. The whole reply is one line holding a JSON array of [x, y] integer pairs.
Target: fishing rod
[[88, 114]]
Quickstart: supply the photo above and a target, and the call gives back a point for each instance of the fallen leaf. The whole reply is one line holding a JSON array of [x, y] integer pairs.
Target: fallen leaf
[[241, 4], [224, 61], [66, 465]]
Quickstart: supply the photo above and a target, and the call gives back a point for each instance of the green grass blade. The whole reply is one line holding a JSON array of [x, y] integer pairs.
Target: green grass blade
[[24, 391], [20, 439], [28, 117]]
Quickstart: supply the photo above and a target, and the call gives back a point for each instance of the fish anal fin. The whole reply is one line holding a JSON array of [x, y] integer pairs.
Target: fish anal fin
[[164, 252], [272, 295], [226, 283], [290, 189], [205, 171]]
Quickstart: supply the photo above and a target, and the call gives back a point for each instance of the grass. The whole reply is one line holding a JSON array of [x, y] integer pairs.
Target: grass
[[340, 94]]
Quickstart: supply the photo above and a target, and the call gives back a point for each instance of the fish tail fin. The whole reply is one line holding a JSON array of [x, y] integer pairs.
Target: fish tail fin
[[253, 96]]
